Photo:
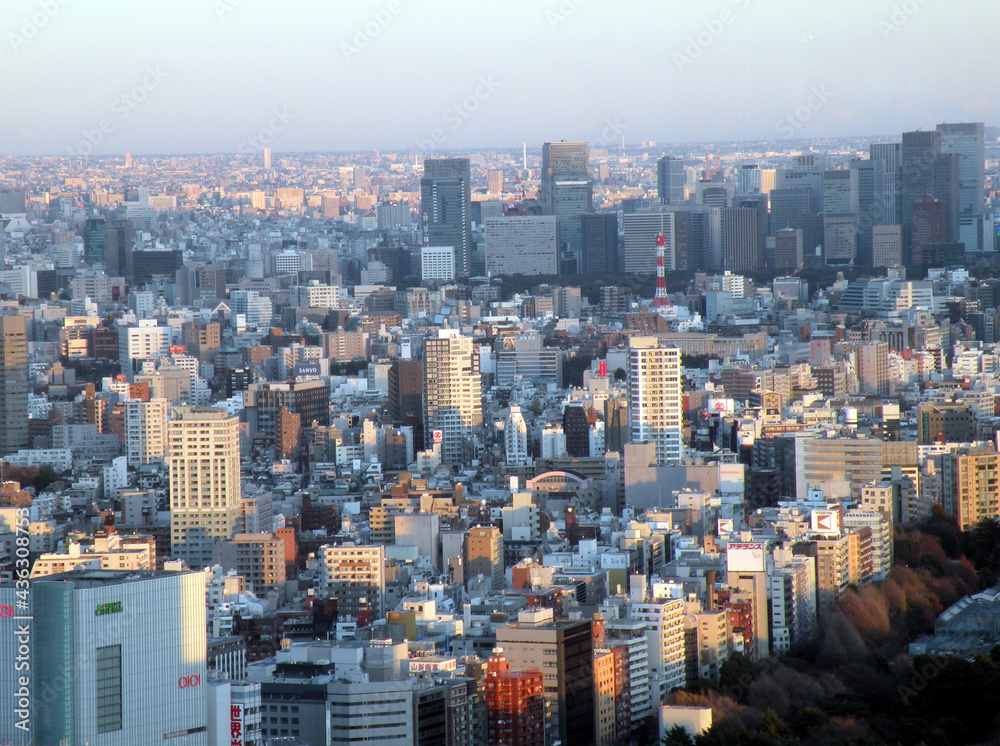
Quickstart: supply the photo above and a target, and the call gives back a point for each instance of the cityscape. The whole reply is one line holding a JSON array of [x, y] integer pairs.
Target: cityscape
[[430, 376]]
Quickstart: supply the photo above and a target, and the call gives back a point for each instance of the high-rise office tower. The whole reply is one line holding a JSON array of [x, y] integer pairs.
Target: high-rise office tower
[[522, 244], [756, 202], [840, 238], [453, 403], [494, 181], [445, 197], [146, 431], [690, 237], [868, 172], [640, 236], [789, 205], [484, 555], [13, 384], [740, 239], [267, 158], [566, 191], [928, 225], [119, 657], [748, 179], [966, 141], [119, 243], [670, 180], [600, 242], [655, 397], [94, 240], [788, 249], [205, 496], [888, 179], [926, 171], [887, 245], [840, 191]]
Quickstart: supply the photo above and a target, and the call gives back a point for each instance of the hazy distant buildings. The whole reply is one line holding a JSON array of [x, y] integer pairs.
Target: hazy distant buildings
[[445, 197], [522, 245]]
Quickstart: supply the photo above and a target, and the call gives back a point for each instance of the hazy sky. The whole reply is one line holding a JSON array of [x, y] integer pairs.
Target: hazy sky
[[195, 76]]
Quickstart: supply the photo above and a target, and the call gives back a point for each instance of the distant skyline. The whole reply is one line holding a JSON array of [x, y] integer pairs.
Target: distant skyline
[[107, 77]]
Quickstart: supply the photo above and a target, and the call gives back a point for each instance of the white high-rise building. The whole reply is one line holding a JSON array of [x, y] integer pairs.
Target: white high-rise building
[[793, 601], [654, 397], [204, 461], [453, 395], [515, 438], [146, 431], [664, 621], [119, 658]]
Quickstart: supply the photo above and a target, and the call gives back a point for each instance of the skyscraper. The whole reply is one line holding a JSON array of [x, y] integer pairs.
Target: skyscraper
[[748, 179], [655, 397], [205, 493], [445, 197], [670, 180], [94, 240], [600, 242], [566, 192], [13, 384], [886, 200], [740, 239], [453, 403], [966, 141]]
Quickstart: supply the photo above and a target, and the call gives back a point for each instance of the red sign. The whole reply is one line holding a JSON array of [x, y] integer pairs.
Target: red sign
[[177, 349], [187, 681], [602, 368], [236, 725], [438, 436]]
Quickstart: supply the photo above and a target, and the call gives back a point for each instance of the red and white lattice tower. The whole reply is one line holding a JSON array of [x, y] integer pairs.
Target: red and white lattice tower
[[427, 234], [660, 298]]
